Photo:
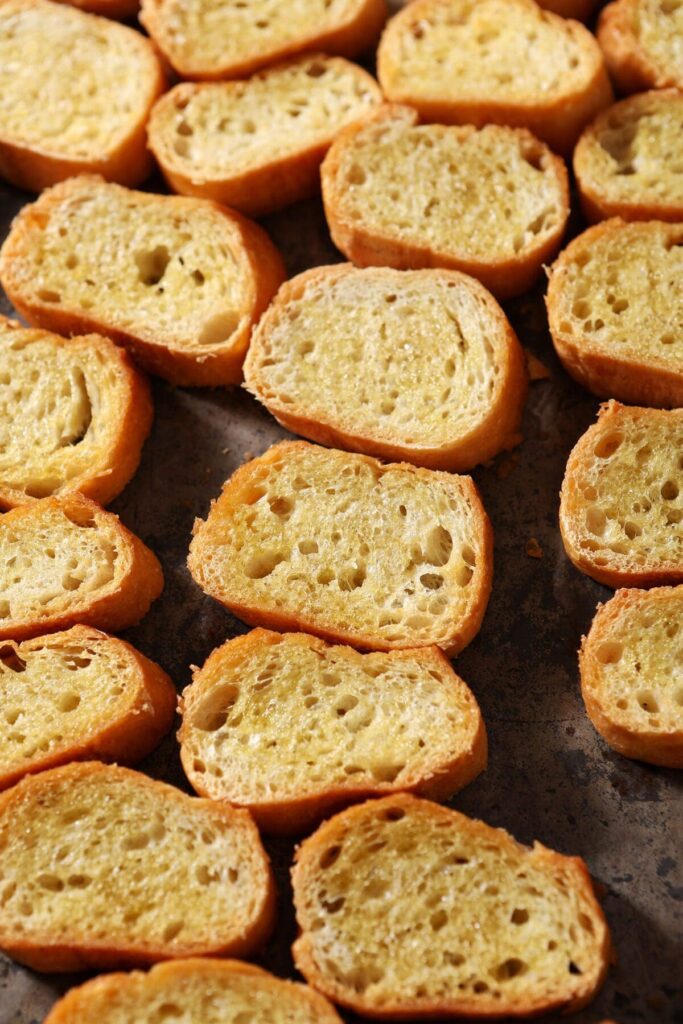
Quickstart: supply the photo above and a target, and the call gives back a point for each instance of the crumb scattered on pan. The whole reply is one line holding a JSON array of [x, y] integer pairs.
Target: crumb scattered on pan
[[225, 451], [533, 548], [537, 370]]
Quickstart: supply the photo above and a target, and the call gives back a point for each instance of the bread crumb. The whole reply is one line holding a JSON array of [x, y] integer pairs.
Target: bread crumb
[[533, 548], [225, 451], [537, 370]]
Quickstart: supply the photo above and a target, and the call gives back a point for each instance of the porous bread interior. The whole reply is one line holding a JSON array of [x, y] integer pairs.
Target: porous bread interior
[[286, 719], [341, 541], [360, 350], [488, 194], [407, 905], [70, 84], [498, 50], [110, 862], [658, 26], [638, 658], [229, 128]]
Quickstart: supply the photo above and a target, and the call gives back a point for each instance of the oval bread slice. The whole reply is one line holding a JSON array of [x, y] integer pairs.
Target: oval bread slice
[[643, 44], [73, 416], [291, 728], [409, 910], [615, 308], [347, 357], [378, 556], [75, 695], [492, 203], [494, 62], [65, 561], [257, 145], [77, 91], [621, 504], [632, 674], [104, 867], [177, 281]]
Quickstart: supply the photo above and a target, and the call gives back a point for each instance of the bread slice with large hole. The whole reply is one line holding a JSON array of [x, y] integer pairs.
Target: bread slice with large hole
[[78, 695], [104, 867], [257, 145], [621, 504], [494, 62], [632, 674], [74, 415], [77, 91], [409, 910], [643, 43], [346, 357], [377, 556], [291, 728], [65, 561], [490, 202], [177, 281], [615, 309]]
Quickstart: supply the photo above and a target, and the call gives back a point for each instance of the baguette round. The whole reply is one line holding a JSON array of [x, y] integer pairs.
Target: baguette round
[[643, 44], [407, 196], [632, 674], [484, 62], [621, 504], [615, 310], [77, 91], [78, 695], [179, 282], [104, 867], [409, 910], [376, 556], [291, 728]]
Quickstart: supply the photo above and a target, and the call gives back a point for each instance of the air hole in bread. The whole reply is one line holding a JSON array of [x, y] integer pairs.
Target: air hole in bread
[[167, 1011], [308, 547], [609, 652], [647, 701], [214, 712], [329, 856], [219, 328], [608, 445], [172, 930], [262, 565], [68, 702], [11, 660], [574, 968], [519, 915], [669, 490], [393, 814], [281, 507], [316, 69], [511, 968], [438, 546], [78, 881], [152, 264], [48, 295], [355, 175], [183, 128]]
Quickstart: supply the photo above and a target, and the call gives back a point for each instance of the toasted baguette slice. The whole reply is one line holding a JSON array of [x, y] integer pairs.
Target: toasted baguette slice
[[65, 561], [354, 551], [409, 910], [76, 94], [73, 416], [75, 695], [581, 10], [213, 39], [492, 203], [615, 309], [632, 675], [643, 44], [177, 281], [629, 161], [104, 867], [257, 145], [347, 357], [291, 728], [494, 62], [621, 505], [199, 991]]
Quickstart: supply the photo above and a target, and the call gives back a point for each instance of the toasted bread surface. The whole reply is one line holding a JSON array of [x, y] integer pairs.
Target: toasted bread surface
[[179, 282], [621, 504], [615, 311], [257, 145], [346, 356], [409, 910], [631, 677], [643, 44]]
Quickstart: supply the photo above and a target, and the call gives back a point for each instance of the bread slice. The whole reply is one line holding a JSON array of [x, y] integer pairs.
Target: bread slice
[[77, 91], [75, 695], [291, 728], [199, 992], [643, 44], [632, 674], [73, 416], [257, 145], [410, 910], [615, 310], [104, 867], [494, 62], [65, 561], [378, 556], [492, 203], [213, 39], [581, 10], [621, 505], [177, 281], [445, 407]]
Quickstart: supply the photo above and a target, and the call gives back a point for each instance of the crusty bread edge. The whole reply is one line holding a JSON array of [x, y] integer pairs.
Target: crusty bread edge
[[628, 64]]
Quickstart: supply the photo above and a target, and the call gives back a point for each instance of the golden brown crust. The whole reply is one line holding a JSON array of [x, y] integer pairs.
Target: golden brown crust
[[630, 66]]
